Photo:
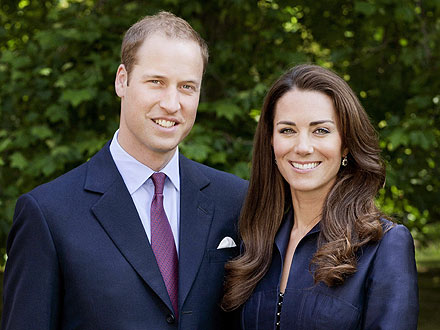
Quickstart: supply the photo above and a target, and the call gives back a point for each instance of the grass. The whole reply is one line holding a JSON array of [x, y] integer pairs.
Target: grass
[[429, 298], [428, 266]]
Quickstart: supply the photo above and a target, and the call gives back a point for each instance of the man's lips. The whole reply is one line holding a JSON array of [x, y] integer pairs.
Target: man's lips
[[165, 123]]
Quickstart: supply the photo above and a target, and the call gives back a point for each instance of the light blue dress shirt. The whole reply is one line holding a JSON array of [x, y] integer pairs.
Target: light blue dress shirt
[[137, 178]]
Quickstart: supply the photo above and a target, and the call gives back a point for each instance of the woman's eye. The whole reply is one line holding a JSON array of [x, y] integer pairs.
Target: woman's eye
[[287, 131], [322, 131]]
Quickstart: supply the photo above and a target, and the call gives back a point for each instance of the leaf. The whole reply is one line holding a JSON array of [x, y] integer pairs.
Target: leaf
[[80, 34], [56, 112], [398, 137], [60, 151], [196, 152], [49, 168], [47, 39], [241, 169], [365, 8], [4, 144], [75, 97], [18, 160], [218, 157], [45, 164], [41, 132], [421, 139], [405, 13], [227, 110], [90, 145], [420, 101]]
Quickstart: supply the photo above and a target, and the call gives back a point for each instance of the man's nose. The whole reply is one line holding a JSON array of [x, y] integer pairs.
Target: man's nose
[[170, 100]]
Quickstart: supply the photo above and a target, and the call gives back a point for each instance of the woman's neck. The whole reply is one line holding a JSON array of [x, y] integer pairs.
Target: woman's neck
[[307, 210]]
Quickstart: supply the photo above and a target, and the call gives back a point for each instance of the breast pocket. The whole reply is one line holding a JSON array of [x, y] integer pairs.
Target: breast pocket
[[320, 311], [222, 255]]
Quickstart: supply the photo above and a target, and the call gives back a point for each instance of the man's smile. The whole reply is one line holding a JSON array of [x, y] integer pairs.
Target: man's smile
[[165, 123]]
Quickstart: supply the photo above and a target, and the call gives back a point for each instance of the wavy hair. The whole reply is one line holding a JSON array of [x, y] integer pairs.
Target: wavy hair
[[350, 218]]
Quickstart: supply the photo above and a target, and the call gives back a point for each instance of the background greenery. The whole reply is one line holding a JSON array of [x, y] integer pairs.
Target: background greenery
[[58, 60]]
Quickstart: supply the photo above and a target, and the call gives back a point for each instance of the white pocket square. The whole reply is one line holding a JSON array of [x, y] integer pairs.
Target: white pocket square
[[226, 242]]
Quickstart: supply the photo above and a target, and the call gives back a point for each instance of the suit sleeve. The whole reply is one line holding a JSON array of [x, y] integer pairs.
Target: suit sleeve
[[31, 293], [392, 291]]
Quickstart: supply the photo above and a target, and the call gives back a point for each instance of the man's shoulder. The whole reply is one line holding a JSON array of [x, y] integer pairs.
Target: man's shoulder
[[68, 183], [214, 175], [64, 184], [228, 190]]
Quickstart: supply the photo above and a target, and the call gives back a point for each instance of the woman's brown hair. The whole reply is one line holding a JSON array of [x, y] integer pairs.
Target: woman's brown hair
[[349, 219]]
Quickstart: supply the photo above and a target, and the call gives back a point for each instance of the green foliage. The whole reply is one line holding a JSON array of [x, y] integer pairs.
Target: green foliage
[[58, 59]]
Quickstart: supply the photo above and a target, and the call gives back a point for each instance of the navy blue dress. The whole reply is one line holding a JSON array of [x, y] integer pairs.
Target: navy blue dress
[[382, 294]]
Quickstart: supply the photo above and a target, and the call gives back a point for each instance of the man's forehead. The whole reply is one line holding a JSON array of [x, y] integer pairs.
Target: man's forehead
[[158, 39], [161, 37], [160, 50]]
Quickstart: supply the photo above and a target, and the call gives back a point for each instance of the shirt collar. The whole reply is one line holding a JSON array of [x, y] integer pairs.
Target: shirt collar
[[134, 173]]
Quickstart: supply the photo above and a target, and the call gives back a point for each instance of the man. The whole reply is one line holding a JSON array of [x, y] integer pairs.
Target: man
[[114, 244]]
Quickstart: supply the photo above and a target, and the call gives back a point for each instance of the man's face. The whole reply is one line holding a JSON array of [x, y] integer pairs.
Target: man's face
[[159, 100]]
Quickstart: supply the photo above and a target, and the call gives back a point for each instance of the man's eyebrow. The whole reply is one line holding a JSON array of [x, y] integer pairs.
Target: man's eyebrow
[[159, 76], [313, 123], [193, 82], [152, 75]]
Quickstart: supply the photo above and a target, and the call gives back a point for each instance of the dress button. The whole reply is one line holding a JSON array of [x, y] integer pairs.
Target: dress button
[[278, 323], [170, 319]]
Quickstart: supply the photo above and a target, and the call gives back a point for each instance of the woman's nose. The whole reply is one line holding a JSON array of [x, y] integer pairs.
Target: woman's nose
[[303, 145]]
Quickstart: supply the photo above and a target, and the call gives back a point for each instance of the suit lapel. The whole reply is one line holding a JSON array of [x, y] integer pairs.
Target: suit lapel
[[117, 214], [196, 213]]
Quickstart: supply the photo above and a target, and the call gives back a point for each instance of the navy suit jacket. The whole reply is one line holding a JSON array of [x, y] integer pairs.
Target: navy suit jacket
[[382, 294], [79, 257]]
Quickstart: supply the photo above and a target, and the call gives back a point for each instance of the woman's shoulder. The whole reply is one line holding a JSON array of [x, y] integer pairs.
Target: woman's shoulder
[[395, 235]]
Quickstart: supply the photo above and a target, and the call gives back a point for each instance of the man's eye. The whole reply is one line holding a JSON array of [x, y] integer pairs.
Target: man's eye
[[188, 87]]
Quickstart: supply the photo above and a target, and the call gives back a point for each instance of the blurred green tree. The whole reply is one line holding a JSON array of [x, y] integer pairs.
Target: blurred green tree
[[58, 59]]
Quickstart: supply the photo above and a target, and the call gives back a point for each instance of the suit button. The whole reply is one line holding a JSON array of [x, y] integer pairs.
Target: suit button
[[171, 319]]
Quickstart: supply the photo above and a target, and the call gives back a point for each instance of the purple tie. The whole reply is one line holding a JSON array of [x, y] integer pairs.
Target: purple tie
[[162, 241]]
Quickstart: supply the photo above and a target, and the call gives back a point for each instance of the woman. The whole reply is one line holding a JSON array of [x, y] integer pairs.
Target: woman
[[317, 253]]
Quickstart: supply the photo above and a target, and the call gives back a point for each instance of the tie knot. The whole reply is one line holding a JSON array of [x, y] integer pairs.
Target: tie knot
[[159, 181]]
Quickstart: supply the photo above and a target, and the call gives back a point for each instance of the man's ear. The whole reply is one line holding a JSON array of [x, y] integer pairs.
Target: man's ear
[[121, 80]]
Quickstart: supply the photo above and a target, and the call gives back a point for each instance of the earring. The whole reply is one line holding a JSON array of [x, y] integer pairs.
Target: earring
[[344, 161]]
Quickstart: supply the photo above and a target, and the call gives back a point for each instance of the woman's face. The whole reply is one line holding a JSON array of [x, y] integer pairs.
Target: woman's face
[[306, 141]]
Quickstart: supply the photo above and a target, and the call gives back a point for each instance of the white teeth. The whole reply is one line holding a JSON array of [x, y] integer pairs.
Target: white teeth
[[306, 166], [165, 123]]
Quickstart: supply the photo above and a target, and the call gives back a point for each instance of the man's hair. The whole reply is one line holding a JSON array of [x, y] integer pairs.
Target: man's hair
[[164, 23]]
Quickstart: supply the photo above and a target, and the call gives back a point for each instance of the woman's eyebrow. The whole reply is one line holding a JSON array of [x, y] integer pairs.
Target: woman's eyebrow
[[319, 122], [313, 123]]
